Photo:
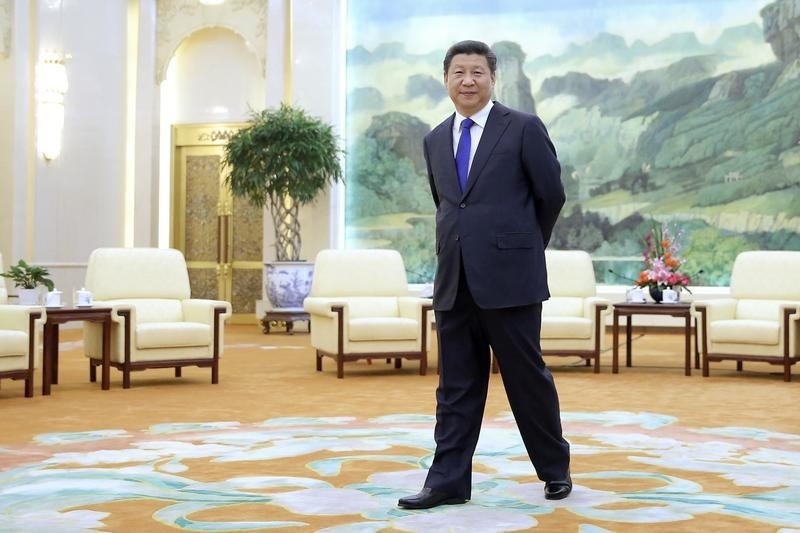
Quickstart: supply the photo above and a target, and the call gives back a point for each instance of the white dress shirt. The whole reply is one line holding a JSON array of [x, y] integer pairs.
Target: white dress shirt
[[475, 132]]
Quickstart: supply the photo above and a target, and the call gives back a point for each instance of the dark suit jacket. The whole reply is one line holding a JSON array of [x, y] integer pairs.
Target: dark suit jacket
[[501, 224]]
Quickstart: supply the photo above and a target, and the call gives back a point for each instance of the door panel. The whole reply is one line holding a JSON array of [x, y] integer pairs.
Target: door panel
[[245, 252], [221, 237]]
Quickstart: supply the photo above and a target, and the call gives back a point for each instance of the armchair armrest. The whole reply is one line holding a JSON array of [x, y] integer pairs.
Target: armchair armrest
[[323, 306], [595, 304], [202, 311], [410, 306], [127, 308], [790, 316], [790, 311], [17, 317], [724, 309]]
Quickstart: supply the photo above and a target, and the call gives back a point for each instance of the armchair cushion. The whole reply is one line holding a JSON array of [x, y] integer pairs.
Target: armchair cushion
[[762, 275], [745, 331], [383, 328], [150, 310], [362, 306], [749, 309], [125, 273], [570, 273], [172, 335], [354, 273]]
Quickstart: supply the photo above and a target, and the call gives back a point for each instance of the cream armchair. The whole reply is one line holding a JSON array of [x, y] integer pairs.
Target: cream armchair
[[360, 308], [20, 339], [760, 321], [155, 322], [573, 319]]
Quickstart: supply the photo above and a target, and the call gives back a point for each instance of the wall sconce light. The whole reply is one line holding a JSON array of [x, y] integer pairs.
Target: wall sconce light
[[51, 86]]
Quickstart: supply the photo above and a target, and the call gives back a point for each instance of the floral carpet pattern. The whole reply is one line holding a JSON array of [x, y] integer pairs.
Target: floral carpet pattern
[[56, 482]]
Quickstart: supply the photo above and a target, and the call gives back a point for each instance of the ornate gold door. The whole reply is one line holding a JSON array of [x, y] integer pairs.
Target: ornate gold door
[[220, 236]]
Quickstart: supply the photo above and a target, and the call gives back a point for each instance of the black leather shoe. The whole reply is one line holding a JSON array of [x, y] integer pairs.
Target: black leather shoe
[[428, 498], [558, 490]]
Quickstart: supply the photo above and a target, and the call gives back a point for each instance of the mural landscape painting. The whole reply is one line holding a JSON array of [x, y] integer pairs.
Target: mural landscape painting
[[659, 117]]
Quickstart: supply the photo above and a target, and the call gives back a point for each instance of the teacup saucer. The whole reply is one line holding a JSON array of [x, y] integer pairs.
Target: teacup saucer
[[83, 306]]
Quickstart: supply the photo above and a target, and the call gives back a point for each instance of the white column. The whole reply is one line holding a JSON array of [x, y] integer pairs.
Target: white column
[[23, 165]]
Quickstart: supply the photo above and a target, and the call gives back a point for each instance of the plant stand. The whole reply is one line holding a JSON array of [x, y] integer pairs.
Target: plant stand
[[273, 318]]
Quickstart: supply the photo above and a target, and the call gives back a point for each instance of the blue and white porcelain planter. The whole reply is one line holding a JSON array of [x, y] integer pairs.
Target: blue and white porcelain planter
[[288, 284]]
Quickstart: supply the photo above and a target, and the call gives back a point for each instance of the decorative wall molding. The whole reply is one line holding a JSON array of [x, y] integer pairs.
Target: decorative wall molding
[[6, 16], [178, 19]]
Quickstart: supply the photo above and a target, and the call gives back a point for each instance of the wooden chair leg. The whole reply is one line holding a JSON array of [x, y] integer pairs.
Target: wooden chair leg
[[215, 372], [398, 362], [177, 371], [126, 377], [339, 368], [319, 362], [92, 371], [739, 366]]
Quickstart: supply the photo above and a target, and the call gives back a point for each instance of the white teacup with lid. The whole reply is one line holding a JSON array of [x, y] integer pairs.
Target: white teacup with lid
[[670, 295], [54, 299], [83, 298], [636, 295]]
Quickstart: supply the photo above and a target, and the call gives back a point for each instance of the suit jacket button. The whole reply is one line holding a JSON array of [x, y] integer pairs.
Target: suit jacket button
[[462, 206], [458, 237]]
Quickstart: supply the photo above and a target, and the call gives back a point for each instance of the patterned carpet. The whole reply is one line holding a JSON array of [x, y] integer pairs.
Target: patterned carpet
[[278, 446]]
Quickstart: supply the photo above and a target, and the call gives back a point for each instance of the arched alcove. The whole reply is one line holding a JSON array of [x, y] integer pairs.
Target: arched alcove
[[214, 76]]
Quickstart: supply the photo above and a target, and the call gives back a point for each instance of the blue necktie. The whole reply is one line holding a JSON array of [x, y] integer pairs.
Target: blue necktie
[[462, 153]]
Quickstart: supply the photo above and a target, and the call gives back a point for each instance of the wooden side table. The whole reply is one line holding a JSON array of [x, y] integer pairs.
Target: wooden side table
[[56, 316], [628, 309], [287, 317]]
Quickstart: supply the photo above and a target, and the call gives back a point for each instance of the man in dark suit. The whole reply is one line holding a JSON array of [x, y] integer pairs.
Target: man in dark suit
[[496, 183]]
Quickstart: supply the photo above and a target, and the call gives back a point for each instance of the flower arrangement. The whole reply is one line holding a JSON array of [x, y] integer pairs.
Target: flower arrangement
[[661, 261]]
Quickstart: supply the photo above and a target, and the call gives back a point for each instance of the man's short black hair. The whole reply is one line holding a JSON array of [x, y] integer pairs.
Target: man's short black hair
[[471, 47]]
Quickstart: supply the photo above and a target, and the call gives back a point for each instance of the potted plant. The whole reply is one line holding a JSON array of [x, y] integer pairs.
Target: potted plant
[[27, 278], [283, 159]]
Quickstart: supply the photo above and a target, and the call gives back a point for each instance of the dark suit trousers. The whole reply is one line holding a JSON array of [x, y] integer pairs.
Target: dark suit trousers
[[465, 335]]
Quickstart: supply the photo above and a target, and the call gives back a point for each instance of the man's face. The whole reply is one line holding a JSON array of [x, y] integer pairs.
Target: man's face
[[469, 83]]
